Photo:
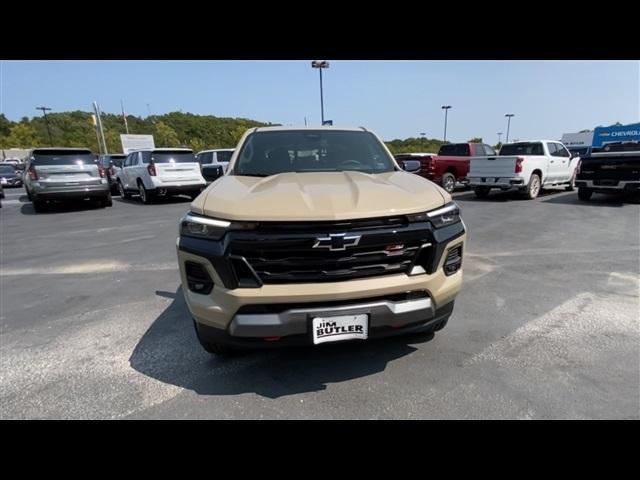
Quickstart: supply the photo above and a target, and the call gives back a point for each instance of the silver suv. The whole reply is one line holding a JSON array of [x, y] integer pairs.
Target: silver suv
[[64, 174]]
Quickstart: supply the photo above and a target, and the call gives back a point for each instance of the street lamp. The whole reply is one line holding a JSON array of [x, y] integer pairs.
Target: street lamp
[[46, 120], [320, 65], [508, 115], [446, 110], [499, 135]]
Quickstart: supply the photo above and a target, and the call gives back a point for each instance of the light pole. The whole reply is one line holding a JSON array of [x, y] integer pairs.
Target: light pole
[[499, 135], [320, 65], [508, 115], [446, 111], [46, 120]]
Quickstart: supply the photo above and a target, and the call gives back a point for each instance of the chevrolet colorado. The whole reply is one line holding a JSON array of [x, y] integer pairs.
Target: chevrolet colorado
[[316, 235]]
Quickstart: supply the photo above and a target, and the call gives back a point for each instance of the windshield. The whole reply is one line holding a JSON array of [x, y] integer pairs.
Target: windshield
[[7, 169], [224, 156], [270, 153], [62, 157], [523, 148], [173, 157], [117, 160]]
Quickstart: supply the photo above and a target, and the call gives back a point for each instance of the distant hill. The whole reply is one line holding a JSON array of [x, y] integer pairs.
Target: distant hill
[[199, 132], [75, 129]]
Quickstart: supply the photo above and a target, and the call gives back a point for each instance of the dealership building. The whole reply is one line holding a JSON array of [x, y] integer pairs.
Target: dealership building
[[602, 135]]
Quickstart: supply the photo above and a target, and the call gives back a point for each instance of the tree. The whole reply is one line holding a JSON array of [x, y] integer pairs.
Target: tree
[[21, 135], [197, 144], [476, 140], [164, 135]]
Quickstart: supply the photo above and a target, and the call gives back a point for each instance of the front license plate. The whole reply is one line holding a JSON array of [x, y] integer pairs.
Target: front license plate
[[345, 327]]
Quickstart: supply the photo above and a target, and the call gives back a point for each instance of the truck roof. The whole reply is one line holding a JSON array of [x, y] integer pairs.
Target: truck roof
[[319, 127]]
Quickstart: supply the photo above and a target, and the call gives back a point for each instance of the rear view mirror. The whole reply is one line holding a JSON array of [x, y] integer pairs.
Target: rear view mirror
[[411, 166]]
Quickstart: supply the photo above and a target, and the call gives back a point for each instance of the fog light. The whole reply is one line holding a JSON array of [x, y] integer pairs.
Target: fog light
[[453, 261], [198, 279]]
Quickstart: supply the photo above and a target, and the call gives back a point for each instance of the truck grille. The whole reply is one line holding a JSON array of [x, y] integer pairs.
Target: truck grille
[[282, 258]]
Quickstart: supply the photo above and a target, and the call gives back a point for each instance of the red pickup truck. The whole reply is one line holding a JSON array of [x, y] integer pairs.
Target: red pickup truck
[[451, 164]]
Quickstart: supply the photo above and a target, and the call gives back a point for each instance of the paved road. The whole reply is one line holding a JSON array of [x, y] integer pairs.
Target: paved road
[[94, 325]]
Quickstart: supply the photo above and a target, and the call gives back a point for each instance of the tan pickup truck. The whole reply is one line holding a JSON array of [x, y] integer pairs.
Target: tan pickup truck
[[317, 235]]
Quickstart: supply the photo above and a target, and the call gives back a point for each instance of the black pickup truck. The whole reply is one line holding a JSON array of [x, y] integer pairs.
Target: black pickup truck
[[614, 168]]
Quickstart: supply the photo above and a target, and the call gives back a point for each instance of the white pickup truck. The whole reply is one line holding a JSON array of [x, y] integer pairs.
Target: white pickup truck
[[524, 166]]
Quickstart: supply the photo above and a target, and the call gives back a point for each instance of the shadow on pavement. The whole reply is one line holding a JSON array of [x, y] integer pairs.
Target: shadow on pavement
[[169, 352], [60, 207], [500, 196], [135, 200], [597, 200]]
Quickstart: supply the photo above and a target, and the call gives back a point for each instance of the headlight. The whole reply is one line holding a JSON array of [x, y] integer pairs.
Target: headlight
[[203, 227], [441, 217]]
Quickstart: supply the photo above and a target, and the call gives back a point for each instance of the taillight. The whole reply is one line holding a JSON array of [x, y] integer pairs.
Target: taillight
[[152, 169], [519, 161], [102, 172], [578, 167], [33, 175]]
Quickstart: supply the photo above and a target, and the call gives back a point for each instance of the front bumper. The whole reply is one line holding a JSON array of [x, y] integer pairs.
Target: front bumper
[[12, 182], [298, 333]]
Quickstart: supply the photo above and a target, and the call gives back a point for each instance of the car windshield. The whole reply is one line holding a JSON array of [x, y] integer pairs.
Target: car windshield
[[269, 153], [62, 157], [7, 169], [224, 156], [524, 148], [179, 156]]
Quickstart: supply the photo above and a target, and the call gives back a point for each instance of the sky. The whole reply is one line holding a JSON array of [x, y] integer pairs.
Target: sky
[[395, 99]]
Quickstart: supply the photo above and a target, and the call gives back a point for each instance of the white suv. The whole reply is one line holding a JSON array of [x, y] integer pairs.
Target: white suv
[[214, 163], [160, 171]]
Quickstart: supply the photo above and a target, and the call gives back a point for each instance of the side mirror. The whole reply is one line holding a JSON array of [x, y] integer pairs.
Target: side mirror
[[411, 166]]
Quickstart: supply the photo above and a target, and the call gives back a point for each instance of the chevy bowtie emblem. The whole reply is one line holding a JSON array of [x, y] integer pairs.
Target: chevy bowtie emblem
[[337, 241]]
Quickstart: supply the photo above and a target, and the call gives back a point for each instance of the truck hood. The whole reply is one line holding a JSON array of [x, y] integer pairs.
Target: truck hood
[[318, 196]]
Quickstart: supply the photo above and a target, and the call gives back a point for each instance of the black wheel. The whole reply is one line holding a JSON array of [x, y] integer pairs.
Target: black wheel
[[106, 201], [584, 194], [145, 195], [533, 189], [449, 182], [211, 347], [114, 190], [123, 194], [39, 206], [572, 183], [481, 192]]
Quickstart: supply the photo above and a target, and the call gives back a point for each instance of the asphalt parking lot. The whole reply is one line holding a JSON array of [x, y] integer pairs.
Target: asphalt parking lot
[[547, 325]]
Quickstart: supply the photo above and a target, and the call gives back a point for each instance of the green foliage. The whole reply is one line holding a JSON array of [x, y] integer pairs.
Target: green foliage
[[21, 135], [475, 140], [414, 145], [75, 129]]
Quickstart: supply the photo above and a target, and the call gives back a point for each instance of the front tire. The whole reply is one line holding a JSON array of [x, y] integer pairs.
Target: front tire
[[212, 347], [481, 192], [584, 194], [533, 189], [449, 182]]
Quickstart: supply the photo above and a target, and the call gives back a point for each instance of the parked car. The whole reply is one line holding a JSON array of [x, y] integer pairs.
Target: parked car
[[9, 176], [451, 164], [64, 174], [160, 172], [214, 163], [112, 164], [315, 235], [524, 166], [1, 194], [614, 168], [16, 162]]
